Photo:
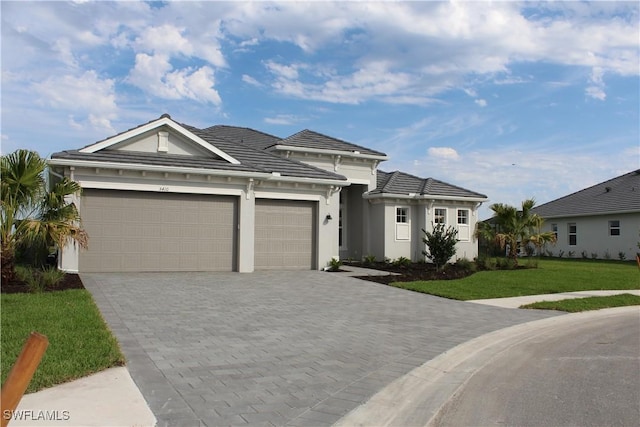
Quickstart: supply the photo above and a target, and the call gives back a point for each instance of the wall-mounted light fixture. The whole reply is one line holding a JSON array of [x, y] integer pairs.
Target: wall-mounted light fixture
[[328, 217]]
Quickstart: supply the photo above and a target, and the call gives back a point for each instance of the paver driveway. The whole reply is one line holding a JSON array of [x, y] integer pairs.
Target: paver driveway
[[277, 348]]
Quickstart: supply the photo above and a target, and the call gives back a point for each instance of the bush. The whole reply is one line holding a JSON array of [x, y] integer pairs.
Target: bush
[[622, 256], [486, 263], [369, 259], [505, 264], [39, 280], [466, 265], [441, 244], [334, 264], [402, 262]]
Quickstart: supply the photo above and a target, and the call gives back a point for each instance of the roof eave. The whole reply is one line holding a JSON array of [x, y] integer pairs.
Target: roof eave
[[355, 153], [194, 171], [423, 197], [578, 215]]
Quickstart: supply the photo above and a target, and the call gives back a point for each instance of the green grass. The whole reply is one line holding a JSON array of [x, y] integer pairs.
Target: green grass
[[79, 341], [585, 304], [551, 276]]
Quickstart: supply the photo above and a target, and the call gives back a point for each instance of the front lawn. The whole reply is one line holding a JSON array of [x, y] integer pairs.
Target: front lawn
[[585, 304], [79, 341], [551, 276]]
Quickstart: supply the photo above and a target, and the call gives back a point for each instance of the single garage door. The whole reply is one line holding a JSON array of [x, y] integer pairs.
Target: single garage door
[[285, 234], [144, 231]]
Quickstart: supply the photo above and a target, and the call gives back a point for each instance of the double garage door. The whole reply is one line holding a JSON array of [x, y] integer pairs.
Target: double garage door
[[132, 231]]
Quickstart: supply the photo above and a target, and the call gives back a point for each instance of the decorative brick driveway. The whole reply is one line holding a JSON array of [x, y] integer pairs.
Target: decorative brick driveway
[[276, 348]]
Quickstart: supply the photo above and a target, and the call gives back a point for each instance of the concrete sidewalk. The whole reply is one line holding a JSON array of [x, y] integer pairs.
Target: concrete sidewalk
[[107, 398], [516, 302]]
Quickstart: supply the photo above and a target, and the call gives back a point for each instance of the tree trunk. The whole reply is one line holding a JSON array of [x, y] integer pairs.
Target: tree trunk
[[8, 260]]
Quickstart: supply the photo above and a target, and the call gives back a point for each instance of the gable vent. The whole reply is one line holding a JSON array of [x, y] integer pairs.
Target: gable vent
[[163, 141]]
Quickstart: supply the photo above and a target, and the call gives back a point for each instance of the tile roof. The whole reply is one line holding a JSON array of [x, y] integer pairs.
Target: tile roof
[[156, 159], [620, 194], [263, 160], [310, 139], [250, 137], [403, 183]]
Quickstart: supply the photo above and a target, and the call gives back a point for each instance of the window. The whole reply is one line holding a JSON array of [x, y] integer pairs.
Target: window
[[554, 229], [614, 228], [573, 234], [463, 216], [464, 232], [402, 216], [440, 216], [403, 230]]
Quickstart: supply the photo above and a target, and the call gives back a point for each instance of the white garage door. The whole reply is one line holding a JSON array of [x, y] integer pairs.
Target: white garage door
[[285, 235], [142, 231]]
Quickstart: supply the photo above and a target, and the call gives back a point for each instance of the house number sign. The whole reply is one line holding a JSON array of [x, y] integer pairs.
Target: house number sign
[[164, 189]]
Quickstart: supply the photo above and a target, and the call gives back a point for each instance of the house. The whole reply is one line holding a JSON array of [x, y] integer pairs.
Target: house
[[601, 221], [166, 196]]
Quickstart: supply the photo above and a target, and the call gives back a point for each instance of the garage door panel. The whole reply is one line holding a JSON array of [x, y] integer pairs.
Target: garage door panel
[[285, 234], [138, 231]]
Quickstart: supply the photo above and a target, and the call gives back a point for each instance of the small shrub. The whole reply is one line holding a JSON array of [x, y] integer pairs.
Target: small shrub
[[571, 254], [51, 277], [486, 263], [584, 255], [594, 255], [334, 264], [549, 253], [369, 259], [622, 256], [23, 272], [465, 265], [607, 255], [560, 254], [402, 262], [387, 260], [529, 250], [505, 264]]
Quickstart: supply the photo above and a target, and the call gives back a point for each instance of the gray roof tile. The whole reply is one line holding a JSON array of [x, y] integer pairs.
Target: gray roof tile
[[250, 137], [620, 194], [310, 139], [403, 183]]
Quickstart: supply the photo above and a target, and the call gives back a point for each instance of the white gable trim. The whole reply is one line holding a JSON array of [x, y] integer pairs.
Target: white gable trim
[[162, 121]]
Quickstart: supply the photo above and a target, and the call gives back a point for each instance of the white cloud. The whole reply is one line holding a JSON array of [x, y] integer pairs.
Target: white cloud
[[447, 153], [86, 95], [283, 119], [596, 90], [250, 80], [481, 102], [165, 39], [155, 75]]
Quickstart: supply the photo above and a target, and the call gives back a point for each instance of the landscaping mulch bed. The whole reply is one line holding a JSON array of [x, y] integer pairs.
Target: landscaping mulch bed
[[70, 281], [413, 272]]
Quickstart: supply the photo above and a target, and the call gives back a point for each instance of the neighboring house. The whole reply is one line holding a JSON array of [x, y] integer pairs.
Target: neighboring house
[[165, 196], [603, 220]]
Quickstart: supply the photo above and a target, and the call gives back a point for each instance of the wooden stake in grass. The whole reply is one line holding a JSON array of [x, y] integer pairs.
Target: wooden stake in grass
[[20, 375]]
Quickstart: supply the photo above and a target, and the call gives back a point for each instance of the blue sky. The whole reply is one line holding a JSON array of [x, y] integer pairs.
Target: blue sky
[[514, 100]]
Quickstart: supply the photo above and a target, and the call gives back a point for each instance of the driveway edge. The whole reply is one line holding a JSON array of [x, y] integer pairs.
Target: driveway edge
[[417, 398]]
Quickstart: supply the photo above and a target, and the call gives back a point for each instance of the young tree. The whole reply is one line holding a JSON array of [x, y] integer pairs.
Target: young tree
[[441, 244], [31, 215]]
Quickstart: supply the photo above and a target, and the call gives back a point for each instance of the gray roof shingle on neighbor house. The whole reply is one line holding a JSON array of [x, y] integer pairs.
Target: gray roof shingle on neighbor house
[[403, 183], [314, 140], [620, 194]]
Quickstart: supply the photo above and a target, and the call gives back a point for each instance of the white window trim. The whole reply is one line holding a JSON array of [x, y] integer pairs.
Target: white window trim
[[611, 228], [466, 226], [402, 228], [446, 214]]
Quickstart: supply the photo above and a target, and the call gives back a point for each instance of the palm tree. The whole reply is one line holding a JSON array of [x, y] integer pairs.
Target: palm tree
[[31, 215], [514, 227]]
